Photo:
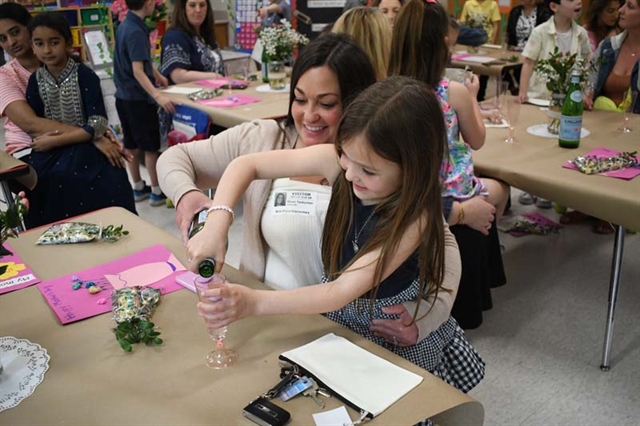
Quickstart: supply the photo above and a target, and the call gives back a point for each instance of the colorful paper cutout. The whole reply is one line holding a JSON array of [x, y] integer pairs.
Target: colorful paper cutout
[[228, 101], [18, 275], [626, 174], [155, 266]]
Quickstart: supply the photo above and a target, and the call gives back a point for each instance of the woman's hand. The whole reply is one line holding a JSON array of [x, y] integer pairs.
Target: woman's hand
[[234, 302], [210, 242], [473, 85], [401, 331], [479, 214], [114, 151], [522, 97], [191, 203]]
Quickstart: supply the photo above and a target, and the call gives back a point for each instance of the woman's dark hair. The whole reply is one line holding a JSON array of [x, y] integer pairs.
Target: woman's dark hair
[[16, 12], [207, 31], [54, 20], [591, 19], [418, 47], [345, 58]]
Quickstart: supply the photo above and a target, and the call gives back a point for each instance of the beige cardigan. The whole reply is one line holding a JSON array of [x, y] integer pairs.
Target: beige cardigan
[[200, 165]]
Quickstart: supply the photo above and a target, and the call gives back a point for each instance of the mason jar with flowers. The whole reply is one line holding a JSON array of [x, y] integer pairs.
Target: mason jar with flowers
[[278, 42], [555, 71]]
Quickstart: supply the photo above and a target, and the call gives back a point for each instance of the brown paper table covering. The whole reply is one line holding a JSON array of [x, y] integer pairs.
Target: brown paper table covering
[[271, 105], [534, 164], [92, 381], [492, 70]]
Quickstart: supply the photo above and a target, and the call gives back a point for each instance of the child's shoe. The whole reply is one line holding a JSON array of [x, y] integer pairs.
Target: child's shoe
[[143, 194], [526, 199], [157, 200], [543, 204]]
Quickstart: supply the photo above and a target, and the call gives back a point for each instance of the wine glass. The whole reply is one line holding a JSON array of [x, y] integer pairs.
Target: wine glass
[[513, 112], [220, 357], [628, 110]]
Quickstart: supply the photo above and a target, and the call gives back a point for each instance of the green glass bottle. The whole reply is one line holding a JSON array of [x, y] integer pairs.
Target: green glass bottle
[[265, 66], [207, 267], [197, 223], [571, 115]]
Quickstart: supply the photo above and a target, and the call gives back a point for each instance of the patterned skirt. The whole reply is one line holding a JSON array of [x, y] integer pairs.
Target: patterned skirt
[[445, 353]]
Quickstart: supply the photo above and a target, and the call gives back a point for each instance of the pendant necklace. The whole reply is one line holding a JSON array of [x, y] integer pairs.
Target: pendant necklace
[[356, 247]]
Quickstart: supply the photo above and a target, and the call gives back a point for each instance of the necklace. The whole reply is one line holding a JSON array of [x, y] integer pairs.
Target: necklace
[[356, 247]]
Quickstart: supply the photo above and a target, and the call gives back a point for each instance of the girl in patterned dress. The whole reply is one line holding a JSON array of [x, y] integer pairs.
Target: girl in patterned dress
[[383, 239], [74, 177]]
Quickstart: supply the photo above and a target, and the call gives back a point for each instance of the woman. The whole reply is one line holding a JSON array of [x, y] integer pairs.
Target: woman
[[522, 20], [93, 178], [614, 61], [371, 31], [284, 247], [601, 21], [189, 48], [422, 30], [389, 8]]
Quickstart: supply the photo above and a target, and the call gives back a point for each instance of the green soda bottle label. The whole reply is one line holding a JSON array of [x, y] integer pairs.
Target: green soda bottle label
[[570, 127]]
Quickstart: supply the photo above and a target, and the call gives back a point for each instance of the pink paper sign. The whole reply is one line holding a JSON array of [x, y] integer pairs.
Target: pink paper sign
[[218, 82], [459, 56], [18, 275], [626, 174], [228, 101], [154, 266]]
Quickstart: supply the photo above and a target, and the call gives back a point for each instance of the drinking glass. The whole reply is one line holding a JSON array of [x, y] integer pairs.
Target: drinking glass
[[628, 111], [513, 112], [220, 357], [503, 92]]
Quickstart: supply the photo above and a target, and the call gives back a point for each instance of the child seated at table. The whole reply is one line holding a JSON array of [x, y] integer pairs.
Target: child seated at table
[[74, 177]]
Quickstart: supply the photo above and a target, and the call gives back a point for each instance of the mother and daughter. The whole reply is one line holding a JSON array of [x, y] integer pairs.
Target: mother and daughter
[[383, 237]]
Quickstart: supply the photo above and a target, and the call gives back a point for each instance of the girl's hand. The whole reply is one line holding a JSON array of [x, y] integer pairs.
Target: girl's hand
[[236, 301], [522, 98], [403, 328], [492, 115], [473, 85], [46, 141], [479, 214], [191, 203]]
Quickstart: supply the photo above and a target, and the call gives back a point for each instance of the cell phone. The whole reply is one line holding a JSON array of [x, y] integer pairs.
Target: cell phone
[[265, 413]]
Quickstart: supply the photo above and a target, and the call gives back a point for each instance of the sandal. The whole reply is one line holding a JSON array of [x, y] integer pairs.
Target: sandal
[[573, 217], [602, 227]]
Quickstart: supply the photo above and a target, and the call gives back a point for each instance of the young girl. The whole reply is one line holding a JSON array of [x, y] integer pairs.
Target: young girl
[[383, 239], [422, 29], [73, 176]]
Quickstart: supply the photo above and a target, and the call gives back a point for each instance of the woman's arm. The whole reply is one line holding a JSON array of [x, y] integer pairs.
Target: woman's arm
[[463, 100], [181, 75], [476, 213]]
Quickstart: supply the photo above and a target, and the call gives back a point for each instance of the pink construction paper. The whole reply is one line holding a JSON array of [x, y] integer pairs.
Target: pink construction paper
[[626, 174], [18, 274], [459, 56], [228, 101], [155, 266], [218, 82], [535, 217]]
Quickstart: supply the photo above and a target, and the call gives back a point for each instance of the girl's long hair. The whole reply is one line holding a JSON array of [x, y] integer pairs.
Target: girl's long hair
[[207, 29], [390, 116], [418, 47]]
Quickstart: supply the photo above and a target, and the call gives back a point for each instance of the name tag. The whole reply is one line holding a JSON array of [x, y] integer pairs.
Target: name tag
[[295, 202]]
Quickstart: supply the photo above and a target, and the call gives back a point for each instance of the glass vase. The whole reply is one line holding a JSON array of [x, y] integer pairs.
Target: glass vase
[[277, 75], [555, 109]]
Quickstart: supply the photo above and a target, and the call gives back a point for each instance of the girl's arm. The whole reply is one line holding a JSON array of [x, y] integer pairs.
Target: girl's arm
[[239, 301], [312, 161], [470, 119], [476, 213], [525, 76]]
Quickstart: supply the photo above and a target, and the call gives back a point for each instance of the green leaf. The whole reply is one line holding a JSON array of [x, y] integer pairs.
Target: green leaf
[[126, 346], [157, 341]]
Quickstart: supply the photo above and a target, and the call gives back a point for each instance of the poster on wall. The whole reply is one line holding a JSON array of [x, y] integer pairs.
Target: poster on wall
[[246, 24]]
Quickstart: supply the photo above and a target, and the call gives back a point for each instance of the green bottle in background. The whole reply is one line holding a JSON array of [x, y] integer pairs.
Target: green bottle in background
[[571, 115], [265, 64]]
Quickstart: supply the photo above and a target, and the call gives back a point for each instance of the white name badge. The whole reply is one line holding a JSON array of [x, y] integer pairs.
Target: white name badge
[[295, 202]]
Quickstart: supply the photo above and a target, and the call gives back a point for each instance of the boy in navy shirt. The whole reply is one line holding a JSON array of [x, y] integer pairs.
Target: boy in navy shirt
[[137, 97]]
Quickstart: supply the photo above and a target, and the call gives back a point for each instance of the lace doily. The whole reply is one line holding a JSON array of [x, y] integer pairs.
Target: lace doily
[[24, 366], [266, 89], [541, 130]]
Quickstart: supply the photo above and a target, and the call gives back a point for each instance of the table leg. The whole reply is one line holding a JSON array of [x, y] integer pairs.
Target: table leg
[[614, 282]]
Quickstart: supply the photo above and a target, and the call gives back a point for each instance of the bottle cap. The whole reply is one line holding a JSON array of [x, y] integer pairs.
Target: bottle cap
[[207, 267]]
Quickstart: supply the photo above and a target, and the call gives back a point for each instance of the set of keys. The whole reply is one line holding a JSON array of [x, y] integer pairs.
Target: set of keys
[[293, 383]]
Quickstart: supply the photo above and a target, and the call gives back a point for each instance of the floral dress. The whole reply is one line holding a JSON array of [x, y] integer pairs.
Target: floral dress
[[456, 174]]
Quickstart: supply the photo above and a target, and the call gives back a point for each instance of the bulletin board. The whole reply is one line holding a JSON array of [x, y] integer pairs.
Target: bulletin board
[[246, 23]]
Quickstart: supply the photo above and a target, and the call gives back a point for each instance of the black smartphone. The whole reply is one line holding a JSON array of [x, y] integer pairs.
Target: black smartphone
[[265, 413]]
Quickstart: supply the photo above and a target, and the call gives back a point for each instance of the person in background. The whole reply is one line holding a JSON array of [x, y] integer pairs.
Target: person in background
[[283, 249], [422, 29], [350, 4], [274, 13], [190, 51], [383, 240], [464, 35], [389, 8], [522, 20], [137, 98], [368, 27], [76, 175], [559, 31], [601, 21]]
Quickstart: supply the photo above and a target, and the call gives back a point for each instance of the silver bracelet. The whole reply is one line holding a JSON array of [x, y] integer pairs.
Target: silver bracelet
[[226, 209]]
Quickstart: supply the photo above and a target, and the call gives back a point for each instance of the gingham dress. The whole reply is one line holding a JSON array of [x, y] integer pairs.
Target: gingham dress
[[446, 352]]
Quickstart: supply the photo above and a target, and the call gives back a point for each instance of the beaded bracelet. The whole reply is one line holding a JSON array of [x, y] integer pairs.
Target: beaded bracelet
[[226, 209], [460, 215]]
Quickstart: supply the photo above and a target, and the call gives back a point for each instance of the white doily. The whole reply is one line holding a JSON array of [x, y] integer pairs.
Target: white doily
[[24, 366], [539, 102], [541, 130], [266, 89]]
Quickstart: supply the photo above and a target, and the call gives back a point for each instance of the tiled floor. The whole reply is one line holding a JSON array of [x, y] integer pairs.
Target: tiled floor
[[542, 341]]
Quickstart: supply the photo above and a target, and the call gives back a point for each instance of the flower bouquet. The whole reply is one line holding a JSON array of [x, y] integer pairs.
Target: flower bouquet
[[10, 220], [278, 43]]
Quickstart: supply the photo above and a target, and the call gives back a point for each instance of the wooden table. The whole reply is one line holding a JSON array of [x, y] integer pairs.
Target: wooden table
[[492, 69], [534, 164], [92, 381], [271, 105]]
